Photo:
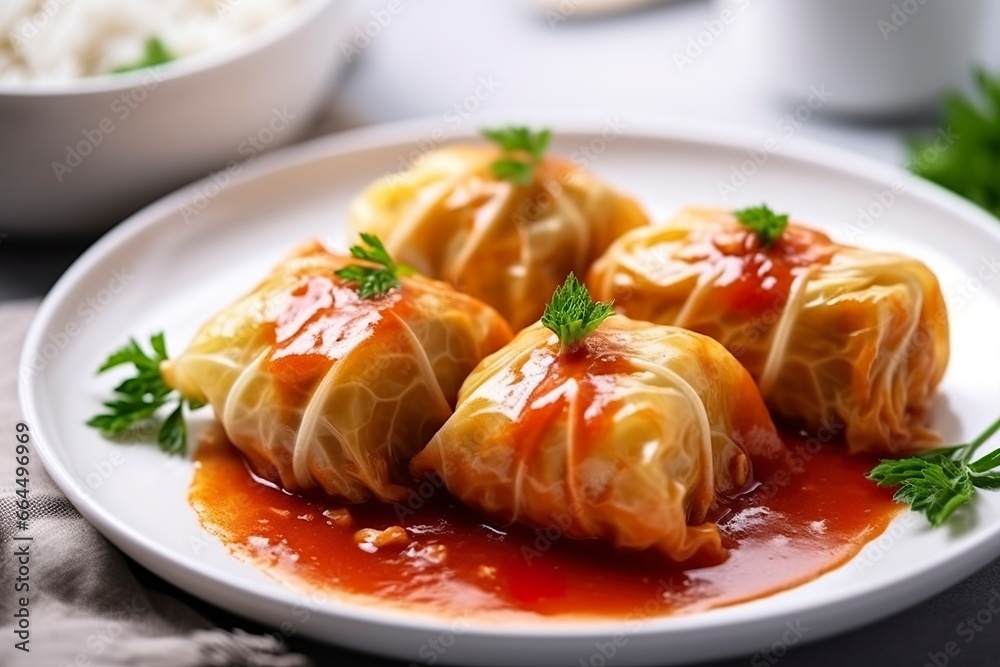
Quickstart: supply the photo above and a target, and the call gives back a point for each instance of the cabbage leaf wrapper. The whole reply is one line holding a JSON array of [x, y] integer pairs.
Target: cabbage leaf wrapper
[[635, 437], [320, 388], [838, 338], [508, 245]]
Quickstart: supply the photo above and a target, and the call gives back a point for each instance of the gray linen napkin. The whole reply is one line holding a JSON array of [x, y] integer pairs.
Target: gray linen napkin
[[85, 606]]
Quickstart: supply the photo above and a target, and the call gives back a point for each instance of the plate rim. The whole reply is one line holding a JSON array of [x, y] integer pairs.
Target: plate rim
[[179, 571]]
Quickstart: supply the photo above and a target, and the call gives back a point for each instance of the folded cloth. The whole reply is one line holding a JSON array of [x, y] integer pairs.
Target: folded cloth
[[85, 606]]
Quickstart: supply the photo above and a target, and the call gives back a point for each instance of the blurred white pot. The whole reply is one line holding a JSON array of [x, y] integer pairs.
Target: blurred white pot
[[877, 57]]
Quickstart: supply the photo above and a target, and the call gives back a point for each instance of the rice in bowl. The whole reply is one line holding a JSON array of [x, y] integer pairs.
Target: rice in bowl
[[58, 40]]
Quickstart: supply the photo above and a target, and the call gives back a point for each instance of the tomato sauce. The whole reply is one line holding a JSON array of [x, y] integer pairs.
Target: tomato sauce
[[322, 321], [809, 512], [587, 373], [753, 277]]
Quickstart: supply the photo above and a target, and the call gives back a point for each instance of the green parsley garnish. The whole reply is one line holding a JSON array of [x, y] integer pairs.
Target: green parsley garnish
[[940, 481], [572, 315], [373, 281], [522, 151], [762, 221], [156, 54], [140, 397], [966, 157]]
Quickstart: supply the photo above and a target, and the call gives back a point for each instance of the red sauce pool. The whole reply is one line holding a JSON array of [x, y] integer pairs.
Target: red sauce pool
[[810, 514]]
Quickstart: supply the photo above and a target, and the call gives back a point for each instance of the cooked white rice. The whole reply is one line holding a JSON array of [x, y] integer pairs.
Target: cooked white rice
[[69, 39]]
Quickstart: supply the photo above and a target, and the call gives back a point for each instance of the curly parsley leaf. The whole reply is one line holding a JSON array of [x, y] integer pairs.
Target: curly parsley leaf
[[762, 221], [141, 396], [522, 151], [572, 314], [965, 158], [373, 281], [938, 482]]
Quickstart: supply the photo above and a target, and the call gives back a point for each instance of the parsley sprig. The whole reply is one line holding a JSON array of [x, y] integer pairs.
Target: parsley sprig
[[968, 160], [140, 397], [762, 221], [572, 314], [156, 53], [939, 481], [373, 281], [522, 150]]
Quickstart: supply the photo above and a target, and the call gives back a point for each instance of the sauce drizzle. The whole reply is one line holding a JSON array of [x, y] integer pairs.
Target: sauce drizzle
[[752, 277]]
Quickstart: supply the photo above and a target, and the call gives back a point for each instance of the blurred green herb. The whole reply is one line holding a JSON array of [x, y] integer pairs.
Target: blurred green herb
[[965, 158], [156, 54], [522, 151], [373, 281], [140, 397], [572, 314], [939, 481], [762, 221]]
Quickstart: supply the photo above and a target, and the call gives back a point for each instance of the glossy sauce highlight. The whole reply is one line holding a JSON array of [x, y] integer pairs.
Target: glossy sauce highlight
[[753, 277], [322, 321]]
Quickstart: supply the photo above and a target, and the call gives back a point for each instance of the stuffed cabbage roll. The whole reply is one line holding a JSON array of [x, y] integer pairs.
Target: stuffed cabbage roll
[[334, 372], [502, 222], [838, 337], [620, 430]]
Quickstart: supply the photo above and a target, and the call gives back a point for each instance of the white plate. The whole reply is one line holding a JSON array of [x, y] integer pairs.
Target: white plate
[[180, 271]]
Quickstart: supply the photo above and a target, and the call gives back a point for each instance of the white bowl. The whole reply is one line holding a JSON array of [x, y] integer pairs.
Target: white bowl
[[77, 156]]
